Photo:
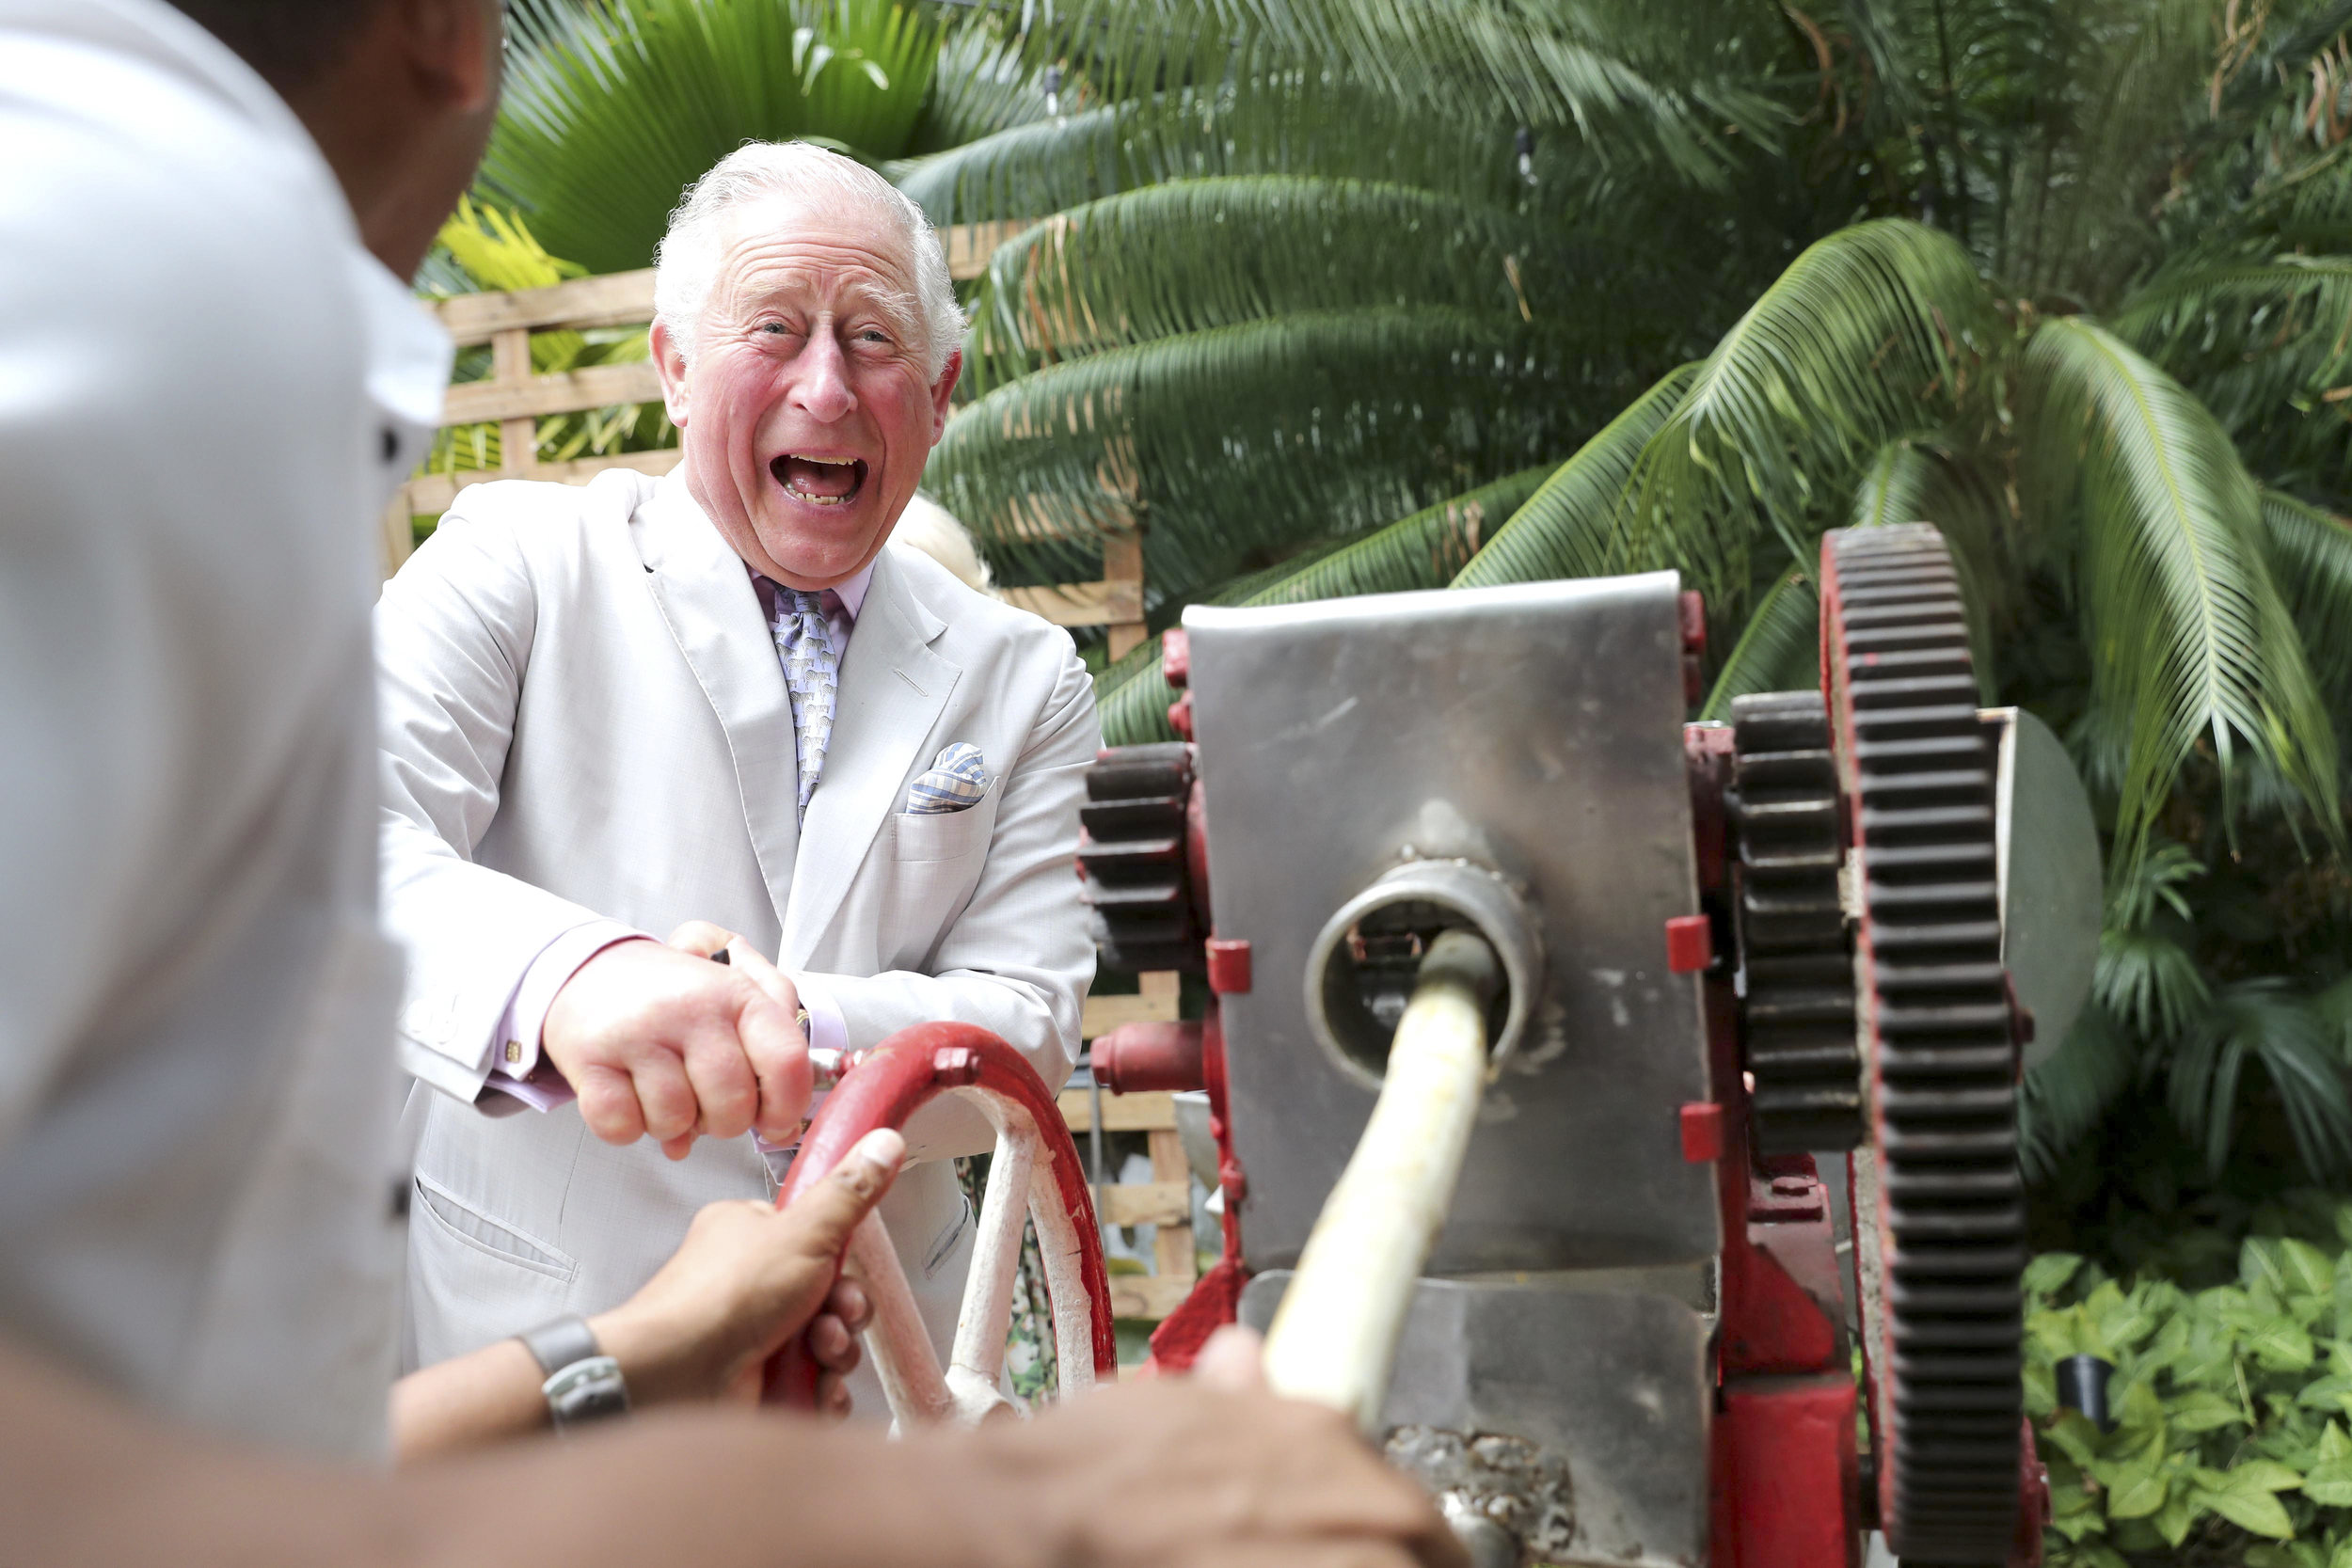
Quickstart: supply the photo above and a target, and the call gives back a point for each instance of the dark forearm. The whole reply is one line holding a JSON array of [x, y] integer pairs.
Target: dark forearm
[[487, 1397], [86, 1482]]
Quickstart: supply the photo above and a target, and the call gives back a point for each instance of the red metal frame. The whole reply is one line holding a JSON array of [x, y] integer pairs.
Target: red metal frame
[[883, 1088], [1786, 1473]]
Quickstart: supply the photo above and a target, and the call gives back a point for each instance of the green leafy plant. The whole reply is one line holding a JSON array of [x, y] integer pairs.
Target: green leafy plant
[[2233, 1404], [2069, 278], [613, 107], [482, 248]]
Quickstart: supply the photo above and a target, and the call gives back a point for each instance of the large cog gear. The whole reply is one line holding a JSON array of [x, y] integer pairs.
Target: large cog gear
[[1133, 851], [1797, 1004], [1936, 1023]]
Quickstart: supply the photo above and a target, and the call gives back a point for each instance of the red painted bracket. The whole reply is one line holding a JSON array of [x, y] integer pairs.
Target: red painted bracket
[[1689, 943], [1701, 1132], [1229, 966]]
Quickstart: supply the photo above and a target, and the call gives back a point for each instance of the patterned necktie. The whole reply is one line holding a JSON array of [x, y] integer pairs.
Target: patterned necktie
[[811, 673]]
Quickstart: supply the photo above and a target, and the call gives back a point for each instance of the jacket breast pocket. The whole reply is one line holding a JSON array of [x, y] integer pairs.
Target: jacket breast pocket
[[923, 838]]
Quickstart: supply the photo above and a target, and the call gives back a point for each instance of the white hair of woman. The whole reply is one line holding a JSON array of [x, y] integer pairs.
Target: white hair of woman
[[686, 264], [928, 527]]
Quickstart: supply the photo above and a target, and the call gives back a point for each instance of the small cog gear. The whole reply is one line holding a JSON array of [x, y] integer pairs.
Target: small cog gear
[[1132, 849], [1797, 1004]]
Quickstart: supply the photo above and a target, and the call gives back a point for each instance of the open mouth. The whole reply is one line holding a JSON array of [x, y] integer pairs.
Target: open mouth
[[819, 481]]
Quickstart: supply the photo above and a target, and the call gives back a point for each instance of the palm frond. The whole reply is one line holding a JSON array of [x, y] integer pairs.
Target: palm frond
[[981, 85], [2311, 561], [2139, 892], [1779, 650], [1419, 551], [2264, 1022], [1131, 698], [2189, 636], [1658, 84], [611, 110], [2065, 1094], [1870, 333], [2257, 339], [1194, 255], [1280, 121], [1253, 439], [1564, 528], [1424, 550], [1917, 480], [2149, 981]]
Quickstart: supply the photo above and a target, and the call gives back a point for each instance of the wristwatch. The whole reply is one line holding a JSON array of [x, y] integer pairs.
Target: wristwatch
[[583, 1384]]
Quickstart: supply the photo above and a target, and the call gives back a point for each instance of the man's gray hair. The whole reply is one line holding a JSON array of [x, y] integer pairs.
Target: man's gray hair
[[686, 264]]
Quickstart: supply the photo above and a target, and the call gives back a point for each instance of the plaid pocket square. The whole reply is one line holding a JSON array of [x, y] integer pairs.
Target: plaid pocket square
[[955, 782]]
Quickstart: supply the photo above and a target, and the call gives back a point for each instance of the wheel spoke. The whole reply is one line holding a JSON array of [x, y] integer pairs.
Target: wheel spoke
[[1059, 1249], [897, 1339], [986, 1317]]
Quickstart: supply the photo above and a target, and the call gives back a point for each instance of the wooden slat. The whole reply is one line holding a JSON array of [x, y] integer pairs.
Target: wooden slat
[[564, 392], [430, 495], [1106, 1013], [1171, 1248], [1081, 604], [616, 299], [396, 534], [1122, 565], [1143, 1296], [1167, 1203], [1121, 1113], [970, 246]]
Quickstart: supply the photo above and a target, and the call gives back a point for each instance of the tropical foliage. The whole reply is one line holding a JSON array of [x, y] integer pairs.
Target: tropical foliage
[[2230, 1403], [1331, 296], [2071, 278], [482, 248]]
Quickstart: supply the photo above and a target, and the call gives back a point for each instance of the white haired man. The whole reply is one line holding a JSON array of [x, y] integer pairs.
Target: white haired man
[[719, 698]]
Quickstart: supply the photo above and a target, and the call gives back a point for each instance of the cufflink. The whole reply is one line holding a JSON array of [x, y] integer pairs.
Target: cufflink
[[514, 1051]]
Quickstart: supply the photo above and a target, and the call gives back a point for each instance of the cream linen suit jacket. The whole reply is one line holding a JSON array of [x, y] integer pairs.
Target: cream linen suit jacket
[[583, 715]]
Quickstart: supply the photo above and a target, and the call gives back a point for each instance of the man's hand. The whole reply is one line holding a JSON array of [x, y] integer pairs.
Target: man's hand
[[748, 1278], [663, 1043], [1213, 1472]]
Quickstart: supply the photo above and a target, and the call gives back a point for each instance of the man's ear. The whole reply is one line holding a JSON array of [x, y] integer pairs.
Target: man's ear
[[669, 362], [455, 50], [944, 392]]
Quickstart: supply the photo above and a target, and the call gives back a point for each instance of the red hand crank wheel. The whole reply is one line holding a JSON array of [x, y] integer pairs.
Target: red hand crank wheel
[[1035, 1175]]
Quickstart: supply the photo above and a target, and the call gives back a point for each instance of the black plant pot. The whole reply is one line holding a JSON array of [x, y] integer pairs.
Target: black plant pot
[[2082, 1384]]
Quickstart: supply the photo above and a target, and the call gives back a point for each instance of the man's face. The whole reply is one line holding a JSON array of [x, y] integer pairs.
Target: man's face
[[805, 410]]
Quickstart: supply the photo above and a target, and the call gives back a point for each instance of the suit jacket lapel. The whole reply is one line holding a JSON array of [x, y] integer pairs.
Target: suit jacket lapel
[[705, 595], [893, 689]]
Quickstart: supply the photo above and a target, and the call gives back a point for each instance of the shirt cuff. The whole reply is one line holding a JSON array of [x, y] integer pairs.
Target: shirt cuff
[[516, 1067], [827, 1030]]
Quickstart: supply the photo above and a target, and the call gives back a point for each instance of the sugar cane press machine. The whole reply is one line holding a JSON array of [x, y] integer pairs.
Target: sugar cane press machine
[[1531, 1007]]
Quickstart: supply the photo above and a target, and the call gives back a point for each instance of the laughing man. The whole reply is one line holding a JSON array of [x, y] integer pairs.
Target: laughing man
[[613, 709]]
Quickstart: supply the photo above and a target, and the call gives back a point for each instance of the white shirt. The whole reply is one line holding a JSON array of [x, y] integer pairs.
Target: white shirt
[[204, 386]]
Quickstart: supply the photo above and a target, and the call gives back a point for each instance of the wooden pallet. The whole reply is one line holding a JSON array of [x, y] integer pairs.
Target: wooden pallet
[[1166, 1200]]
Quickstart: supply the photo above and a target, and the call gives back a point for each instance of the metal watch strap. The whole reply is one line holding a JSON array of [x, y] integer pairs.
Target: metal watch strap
[[582, 1383]]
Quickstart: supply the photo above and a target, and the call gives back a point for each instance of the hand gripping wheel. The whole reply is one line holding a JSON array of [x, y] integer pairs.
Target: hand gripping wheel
[[1035, 1175]]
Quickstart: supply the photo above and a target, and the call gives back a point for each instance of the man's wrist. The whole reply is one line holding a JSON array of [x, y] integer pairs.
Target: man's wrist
[[657, 1359]]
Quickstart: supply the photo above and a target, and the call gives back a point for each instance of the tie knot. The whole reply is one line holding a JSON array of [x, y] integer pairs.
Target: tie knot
[[807, 601]]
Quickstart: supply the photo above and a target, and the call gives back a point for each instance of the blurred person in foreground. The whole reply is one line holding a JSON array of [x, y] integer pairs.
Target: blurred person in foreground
[[725, 701], [209, 378]]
